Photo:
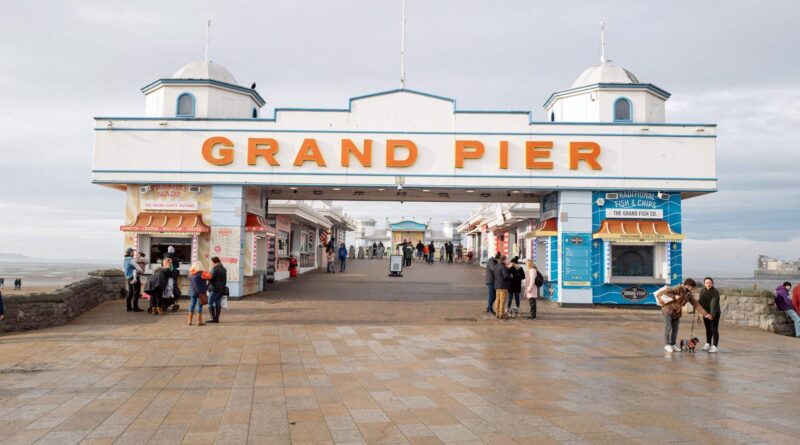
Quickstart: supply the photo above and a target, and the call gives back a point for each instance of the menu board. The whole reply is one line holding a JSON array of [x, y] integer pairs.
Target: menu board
[[577, 258], [226, 244]]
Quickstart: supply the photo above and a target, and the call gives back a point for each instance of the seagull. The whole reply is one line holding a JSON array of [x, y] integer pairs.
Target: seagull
[[253, 86]]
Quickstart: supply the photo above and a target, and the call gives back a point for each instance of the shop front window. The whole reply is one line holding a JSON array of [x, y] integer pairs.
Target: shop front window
[[283, 244], [633, 261]]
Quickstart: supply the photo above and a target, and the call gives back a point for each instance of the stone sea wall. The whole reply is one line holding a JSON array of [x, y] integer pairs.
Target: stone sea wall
[[755, 309], [42, 310]]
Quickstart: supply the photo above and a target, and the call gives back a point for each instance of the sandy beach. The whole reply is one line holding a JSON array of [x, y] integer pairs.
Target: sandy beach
[[44, 276]]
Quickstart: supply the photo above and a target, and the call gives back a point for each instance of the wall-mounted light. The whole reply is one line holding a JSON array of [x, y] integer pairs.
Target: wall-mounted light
[[277, 191], [426, 190], [485, 195], [444, 195], [337, 188], [317, 192], [470, 191], [292, 188], [516, 191]]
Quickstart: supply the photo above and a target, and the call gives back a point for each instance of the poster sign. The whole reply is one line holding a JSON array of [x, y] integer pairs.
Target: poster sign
[[164, 205], [226, 244], [577, 248], [634, 294], [396, 264], [634, 214]]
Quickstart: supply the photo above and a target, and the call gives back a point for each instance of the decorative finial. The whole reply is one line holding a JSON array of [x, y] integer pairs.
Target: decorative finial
[[208, 37], [603, 42], [403, 47]]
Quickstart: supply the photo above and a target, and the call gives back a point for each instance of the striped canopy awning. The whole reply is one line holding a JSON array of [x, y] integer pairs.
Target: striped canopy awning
[[548, 227], [167, 222], [258, 224], [640, 231]]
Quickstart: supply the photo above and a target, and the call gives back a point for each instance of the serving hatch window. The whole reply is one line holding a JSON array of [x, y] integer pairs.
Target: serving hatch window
[[159, 246], [637, 262], [632, 261]]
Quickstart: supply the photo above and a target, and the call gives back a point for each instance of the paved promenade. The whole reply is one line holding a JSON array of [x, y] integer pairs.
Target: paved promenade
[[359, 358]]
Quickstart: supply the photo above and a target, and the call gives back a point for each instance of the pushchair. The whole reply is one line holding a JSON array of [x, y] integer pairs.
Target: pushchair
[[160, 304]]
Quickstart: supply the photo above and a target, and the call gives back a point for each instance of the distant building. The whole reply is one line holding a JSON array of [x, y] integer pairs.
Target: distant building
[[768, 267]]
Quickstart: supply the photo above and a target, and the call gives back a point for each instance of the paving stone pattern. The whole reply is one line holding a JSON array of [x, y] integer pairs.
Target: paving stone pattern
[[359, 358]]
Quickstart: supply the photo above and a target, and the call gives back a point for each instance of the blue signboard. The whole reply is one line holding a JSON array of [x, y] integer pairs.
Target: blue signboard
[[577, 257]]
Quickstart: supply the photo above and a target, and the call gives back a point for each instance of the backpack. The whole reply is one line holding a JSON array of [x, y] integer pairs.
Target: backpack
[[539, 280]]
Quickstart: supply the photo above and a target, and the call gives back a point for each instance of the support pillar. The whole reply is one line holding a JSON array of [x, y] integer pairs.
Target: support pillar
[[575, 248], [227, 233]]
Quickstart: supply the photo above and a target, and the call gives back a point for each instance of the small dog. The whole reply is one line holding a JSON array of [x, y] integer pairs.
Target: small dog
[[513, 312], [690, 344]]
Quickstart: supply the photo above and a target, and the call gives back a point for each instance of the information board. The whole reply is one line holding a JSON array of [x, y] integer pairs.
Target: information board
[[577, 255], [396, 265]]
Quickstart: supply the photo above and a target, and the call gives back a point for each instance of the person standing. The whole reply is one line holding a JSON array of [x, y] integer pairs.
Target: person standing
[[216, 289], [2, 283], [342, 257], [502, 279], [2, 308], [381, 250], [492, 293], [431, 252], [784, 304], [173, 257], [408, 253], [709, 300], [420, 250], [159, 285], [532, 285], [515, 284], [331, 260], [129, 267], [672, 300], [796, 299], [198, 292]]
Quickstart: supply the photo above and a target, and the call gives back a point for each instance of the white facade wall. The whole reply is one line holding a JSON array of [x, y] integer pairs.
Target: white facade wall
[[210, 102]]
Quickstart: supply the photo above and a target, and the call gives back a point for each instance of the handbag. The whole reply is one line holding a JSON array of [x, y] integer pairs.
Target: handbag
[[203, 298], [224, 302]]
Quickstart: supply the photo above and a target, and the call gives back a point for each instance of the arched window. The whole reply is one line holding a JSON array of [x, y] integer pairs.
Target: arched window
[[552, 117], [255, 113], [623, 110], [185, 107]]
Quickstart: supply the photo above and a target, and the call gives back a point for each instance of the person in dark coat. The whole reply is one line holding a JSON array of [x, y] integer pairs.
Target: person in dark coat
[[492, 294], [502, 279], [158, 284], [515, 285], [216, 288], [709, 300], [2, 308], [175, 263]]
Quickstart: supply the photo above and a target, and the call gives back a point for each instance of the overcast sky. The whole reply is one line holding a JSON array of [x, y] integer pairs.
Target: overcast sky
[[734, 63]]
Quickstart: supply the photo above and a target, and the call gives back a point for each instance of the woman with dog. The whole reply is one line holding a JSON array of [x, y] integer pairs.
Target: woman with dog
[[672, 300], [709, 300]]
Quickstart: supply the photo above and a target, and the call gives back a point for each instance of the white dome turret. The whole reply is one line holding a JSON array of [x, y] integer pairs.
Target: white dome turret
[[606, 72], [201, 89], [205, 70]]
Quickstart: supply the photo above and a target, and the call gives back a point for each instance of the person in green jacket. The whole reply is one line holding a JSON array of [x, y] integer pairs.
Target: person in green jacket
[[709, 300]]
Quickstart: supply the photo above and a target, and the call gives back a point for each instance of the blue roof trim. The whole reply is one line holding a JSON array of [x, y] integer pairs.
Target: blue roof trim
[[240, 89], [402, 90], [408, 225], [443, 133], [646, 86], [297, 184], [241, 119], [414, 175]]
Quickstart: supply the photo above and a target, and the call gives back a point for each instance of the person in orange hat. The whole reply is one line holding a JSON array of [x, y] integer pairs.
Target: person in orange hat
[[198, 291]]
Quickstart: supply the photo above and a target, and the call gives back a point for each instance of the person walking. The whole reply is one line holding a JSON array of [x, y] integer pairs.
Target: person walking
[[431, 252], [492, 293], [198, 292], [515, 284], [533, 283], [672, 300], [342, 257], [420, 250], [216, 289], [709, 300], [502, 279], [449, 250], [381, 250], [331, 261], [784, 304]]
